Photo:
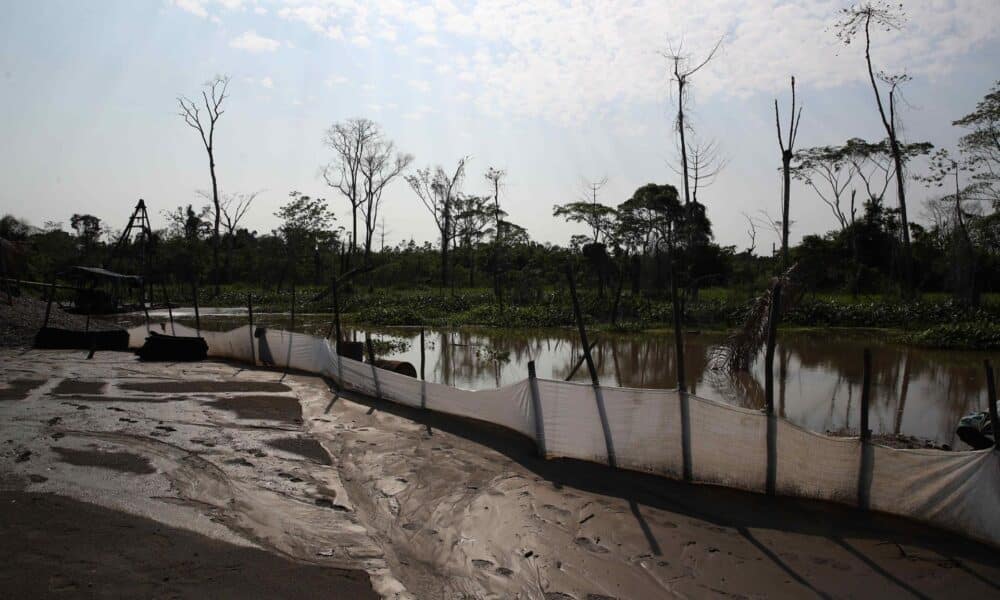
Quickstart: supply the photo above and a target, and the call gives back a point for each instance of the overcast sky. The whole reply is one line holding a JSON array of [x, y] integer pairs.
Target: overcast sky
[[553, 92]]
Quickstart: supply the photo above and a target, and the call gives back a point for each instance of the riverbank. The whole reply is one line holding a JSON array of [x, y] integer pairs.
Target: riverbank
[[423, 505]]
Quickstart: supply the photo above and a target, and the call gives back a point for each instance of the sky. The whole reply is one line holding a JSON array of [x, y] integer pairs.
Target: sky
[[556, 93]]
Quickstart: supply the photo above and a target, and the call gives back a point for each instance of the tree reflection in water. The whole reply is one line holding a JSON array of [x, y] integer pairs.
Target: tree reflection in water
[[914, 391]]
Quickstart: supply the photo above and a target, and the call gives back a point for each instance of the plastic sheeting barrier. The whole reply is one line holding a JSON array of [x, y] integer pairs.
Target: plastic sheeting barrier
[[647, 431]]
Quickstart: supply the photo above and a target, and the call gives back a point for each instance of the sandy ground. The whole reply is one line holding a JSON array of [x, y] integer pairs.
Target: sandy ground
[[331, 491]]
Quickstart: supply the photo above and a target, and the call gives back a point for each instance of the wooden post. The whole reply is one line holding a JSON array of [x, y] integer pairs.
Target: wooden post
[[423, 356], [170, 309], [197, 314], [583, 330], [370, 348], [678, 332], [579, 363], [598, 395], [866, 385], [867, 468], [253, 353], [536, 404], [991, 397], [48, 304], [293, 307], [772, 329], [335, 326]]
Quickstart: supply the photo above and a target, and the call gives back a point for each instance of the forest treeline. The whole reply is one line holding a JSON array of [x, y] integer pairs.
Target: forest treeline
[[631, 247]]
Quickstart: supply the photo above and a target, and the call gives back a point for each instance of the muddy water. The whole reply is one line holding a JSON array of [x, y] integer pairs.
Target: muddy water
[[915, 391]]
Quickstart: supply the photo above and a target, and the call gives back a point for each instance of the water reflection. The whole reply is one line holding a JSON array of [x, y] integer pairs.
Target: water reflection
[[818, 374]]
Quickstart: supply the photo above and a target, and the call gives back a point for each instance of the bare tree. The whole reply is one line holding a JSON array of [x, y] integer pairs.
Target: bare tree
[[682, 72], [752, 232], [787, 152], [495, 176], [829, 171], [380, 164], [854, 21], [234, 207], [212, 98], [705, 163], [437, 191], [349, 141]]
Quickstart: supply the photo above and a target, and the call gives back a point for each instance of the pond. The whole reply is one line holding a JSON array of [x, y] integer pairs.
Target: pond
[[818, 374]]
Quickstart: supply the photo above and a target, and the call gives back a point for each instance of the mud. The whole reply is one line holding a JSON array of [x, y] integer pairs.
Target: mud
[[304, 447], [77, 386], [426, 505], [264, 408], [201, 387], [124, 462], [18, 389], [57, 547]]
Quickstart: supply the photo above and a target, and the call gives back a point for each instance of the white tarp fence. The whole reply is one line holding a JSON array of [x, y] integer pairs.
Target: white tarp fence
[[671, 434]]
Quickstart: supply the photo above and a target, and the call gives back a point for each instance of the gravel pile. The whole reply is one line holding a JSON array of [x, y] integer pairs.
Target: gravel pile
[[20, 322]]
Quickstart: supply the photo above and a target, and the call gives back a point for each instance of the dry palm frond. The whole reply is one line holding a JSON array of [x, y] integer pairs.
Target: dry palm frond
[[740, 349]]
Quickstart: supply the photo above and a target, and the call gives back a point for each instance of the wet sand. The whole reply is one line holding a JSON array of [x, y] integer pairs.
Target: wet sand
[[56, 547], [335, 485]]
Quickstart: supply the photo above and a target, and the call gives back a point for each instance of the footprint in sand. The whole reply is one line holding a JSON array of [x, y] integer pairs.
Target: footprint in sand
[[481, 564], [589, 544]]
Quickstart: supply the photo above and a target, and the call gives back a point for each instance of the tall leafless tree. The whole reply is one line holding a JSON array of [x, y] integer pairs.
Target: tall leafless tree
[[495, 176], [437, 190], [212, 98], [787, 152], [380, 164], [705, 163], [682, 73], [856, 20], [350, 141], [234, 207]]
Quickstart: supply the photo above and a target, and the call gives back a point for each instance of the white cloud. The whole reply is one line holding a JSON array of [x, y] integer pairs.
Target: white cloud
[[260, 10], [561, 61], [195, 7], [420, 85], [264, 82], [252, 42], [428, 41], [335, 80]]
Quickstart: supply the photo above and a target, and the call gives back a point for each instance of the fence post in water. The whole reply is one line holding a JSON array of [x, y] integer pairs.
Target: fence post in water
[[170, 309], [867, 458], [253, 354], [772, 421], [335, 326], [422, 355], [598, 395], [197, 314], [371, 359], [678, 333], [536, 405], [48, 304], [293, 308], [772, 330], [991, 397]]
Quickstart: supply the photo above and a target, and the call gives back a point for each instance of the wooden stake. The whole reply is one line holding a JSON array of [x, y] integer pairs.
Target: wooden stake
[[991, 397], [371, 348], [422, 355], [583, 330], [866, 385], [537, 407], [335, 326], [580, 362], [48, 304], [772, 329], [170, 309], [678, 332], [197, 314], [253, 354], [293, 307]]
